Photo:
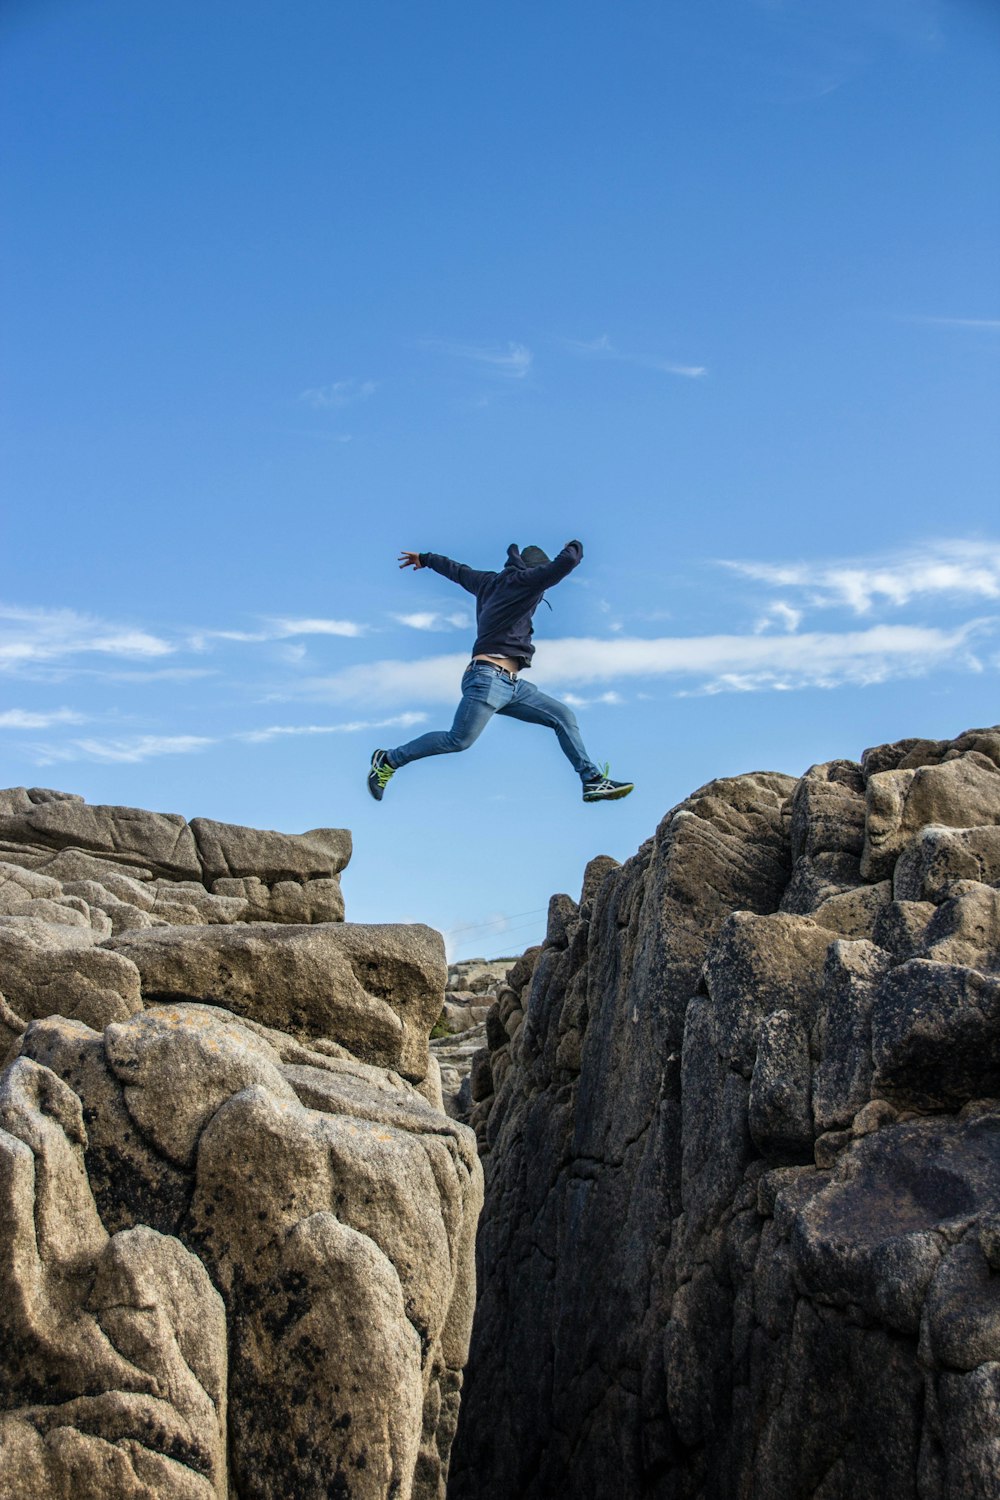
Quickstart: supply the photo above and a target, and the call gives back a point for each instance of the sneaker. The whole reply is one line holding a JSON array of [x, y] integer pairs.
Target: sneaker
[[380, 774], [603, 789]]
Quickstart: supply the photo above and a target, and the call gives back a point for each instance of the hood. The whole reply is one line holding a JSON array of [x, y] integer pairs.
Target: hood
[[515, 558]]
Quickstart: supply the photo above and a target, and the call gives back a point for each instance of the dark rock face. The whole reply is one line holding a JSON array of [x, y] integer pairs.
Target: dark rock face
[[742, 1147]]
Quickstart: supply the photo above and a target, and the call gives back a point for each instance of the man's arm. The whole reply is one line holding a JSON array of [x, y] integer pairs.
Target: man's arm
[[467, 578]]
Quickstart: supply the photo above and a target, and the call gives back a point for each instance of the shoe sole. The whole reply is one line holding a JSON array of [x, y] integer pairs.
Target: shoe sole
[[615, 796]]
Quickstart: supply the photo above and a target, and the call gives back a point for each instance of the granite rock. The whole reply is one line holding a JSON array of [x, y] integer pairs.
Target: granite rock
[[742, 1155]]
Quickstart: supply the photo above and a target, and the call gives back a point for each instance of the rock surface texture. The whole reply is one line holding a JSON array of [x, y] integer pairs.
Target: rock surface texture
[[740, 1117], [236, 1227]]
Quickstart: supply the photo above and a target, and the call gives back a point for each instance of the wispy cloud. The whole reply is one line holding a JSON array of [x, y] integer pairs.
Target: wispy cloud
[[603, 348], [780, 615], [576, 701], [276, 629], [21, 718], [714, 663], [430, 619], [986, 325], [129, 750], [512, 361], [966, 570], [355, 726], [319, 627], [339, 393], [29, 636]]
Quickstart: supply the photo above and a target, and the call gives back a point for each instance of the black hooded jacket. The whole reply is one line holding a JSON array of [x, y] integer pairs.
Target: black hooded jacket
[[506, 601]]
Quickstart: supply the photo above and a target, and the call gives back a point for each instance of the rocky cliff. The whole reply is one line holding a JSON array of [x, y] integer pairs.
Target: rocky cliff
[[236, 1227], [741, 1121]]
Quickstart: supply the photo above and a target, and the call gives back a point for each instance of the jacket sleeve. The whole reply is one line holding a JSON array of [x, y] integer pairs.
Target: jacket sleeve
[[546, 574], [466, 577]]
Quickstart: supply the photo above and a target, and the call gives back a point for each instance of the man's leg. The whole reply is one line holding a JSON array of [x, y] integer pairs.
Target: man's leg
[[534, 707], [482, 696]]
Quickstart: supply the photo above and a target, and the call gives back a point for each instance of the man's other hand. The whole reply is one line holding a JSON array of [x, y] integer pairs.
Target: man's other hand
[[410, 560]]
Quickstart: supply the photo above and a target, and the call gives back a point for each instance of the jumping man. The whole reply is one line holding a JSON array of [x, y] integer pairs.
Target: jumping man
[[505, 603]]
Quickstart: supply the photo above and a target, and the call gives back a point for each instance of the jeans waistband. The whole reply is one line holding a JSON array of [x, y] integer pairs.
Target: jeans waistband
[[492, 667]]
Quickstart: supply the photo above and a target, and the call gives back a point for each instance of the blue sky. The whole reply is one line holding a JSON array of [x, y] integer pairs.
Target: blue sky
[[713, 286]]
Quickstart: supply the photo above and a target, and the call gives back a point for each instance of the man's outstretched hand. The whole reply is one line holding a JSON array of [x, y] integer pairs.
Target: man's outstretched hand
[[410, 560]]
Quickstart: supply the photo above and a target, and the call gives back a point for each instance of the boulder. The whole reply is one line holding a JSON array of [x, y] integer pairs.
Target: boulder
[[122, 915], [48, 969], [854, 913], [163, 842], [332, 1208], [318, 900], [938, 856], [817, 877], [18, 886], [186, 903], [114, 1371], [936, 1035], [133, 884], [376, 989], [852, 975], [778, 1110], [828, 810], [230, 851], [759, 964], [960, 793]]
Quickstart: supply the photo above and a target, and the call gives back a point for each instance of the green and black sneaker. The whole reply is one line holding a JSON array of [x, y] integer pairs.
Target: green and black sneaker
[[380, 775], [603, 789]]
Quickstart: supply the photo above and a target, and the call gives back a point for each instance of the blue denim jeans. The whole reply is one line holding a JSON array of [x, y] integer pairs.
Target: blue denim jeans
[[488, 690]]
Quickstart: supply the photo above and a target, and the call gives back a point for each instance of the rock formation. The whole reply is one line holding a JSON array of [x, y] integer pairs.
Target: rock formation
[[460, 1033], [236, 1228], [741, 1122]]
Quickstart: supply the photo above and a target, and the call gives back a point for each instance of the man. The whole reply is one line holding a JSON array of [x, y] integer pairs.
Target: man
[[492, 684]]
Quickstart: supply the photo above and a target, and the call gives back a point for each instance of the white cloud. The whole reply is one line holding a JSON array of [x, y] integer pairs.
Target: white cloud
[[610, 697], [958, 569], [278, 731], [20, 718], [275, 629], [780, 614], [815, 658], [602, 348], [31, 636], [429, 619], [432, 679], [318, 627], [512, 361], [129, 750], [339, 393], [719, 661]]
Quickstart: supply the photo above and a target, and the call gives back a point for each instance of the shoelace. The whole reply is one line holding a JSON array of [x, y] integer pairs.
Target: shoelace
[[384, 774]]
